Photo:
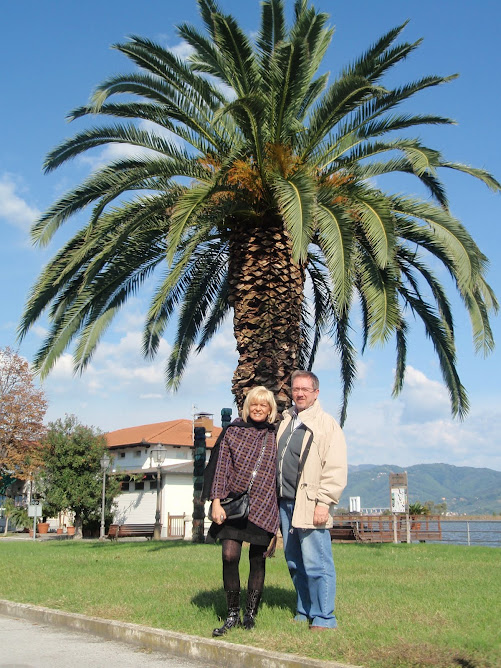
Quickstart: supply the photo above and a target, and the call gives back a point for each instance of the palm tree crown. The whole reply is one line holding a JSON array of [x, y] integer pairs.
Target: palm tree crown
[[260, 180]]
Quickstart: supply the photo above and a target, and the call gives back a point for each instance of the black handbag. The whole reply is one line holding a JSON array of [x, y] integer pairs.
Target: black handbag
[[236, 506]]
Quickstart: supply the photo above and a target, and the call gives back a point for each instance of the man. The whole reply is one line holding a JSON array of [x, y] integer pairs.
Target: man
[[311, 475]]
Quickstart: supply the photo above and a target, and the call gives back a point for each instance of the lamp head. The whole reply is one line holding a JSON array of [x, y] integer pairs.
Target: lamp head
[[158, 454], [105, 461]]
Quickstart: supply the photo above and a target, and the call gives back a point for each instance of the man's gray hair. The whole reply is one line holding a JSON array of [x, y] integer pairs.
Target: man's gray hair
[[306, 374]]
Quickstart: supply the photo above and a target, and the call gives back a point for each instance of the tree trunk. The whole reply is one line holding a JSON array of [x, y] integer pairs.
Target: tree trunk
[[266, 292], [78, 527]]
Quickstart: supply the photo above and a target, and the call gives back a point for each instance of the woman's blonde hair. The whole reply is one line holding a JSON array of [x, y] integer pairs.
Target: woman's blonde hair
[[260, 393]]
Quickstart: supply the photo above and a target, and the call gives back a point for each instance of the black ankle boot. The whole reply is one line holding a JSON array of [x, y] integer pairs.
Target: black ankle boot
[[253, 599], [233, 619]]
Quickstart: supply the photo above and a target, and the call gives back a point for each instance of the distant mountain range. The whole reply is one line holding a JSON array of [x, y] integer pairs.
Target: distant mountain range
[[464, 489]]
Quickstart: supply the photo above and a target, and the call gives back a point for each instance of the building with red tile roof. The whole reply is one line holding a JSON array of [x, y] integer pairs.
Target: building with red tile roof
[[133, 458], [174, 433]]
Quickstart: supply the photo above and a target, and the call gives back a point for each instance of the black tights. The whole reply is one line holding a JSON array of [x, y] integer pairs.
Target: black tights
[[232, 549]]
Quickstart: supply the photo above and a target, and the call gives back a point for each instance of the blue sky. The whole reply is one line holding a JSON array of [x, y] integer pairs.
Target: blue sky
[[54, 53]]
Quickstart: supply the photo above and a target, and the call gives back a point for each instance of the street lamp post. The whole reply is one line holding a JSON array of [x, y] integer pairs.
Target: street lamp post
[[105, 461], [157, 454]]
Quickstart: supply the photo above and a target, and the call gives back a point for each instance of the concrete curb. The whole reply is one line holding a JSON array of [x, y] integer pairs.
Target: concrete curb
[[217, 652]]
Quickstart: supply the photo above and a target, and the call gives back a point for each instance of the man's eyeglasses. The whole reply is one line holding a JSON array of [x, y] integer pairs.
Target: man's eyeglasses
[[306, 390]]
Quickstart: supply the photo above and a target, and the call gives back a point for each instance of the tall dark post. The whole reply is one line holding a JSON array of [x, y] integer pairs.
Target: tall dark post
[[198, 481], [157, 529], [225, 417]]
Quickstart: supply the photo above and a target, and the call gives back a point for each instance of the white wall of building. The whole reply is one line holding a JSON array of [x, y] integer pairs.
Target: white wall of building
[[138, 506], [135, 507], [128, 459]]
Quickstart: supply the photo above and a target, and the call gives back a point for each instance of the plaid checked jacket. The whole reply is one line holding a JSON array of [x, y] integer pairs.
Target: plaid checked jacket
[[239, 451]]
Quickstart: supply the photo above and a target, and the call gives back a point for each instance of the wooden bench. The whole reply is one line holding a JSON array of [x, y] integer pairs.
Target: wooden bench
[[343, 532], [130, 531]]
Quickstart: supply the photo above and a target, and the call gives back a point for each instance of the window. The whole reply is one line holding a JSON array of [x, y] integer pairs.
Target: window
[[122, 455], [138, 485], [153, 485], [124, 486], [137, 453]]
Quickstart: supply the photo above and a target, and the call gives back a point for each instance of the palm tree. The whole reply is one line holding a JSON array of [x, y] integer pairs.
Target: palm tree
[[254, 187]]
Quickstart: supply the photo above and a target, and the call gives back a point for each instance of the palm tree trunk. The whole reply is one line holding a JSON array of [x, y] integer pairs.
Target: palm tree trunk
[[266, 292]]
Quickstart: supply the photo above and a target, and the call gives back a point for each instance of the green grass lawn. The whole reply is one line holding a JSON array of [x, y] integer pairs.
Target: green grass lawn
[[397, 605]]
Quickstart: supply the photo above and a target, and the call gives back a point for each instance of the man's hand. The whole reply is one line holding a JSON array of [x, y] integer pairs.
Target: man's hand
[[321, 515]]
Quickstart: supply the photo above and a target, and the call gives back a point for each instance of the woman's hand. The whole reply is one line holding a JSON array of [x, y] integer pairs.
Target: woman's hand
[[218, 514]]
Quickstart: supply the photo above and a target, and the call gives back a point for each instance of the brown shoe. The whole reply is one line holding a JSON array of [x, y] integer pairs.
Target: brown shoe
[[322, 628]]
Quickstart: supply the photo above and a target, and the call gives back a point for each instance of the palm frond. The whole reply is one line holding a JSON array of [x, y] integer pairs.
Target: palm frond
[[272, 29], [186, 207], [379, 287], [241, 71], [335, 238], [198, 304], [172, 288], [401, 345], [377, 223], [465, 261], [295, 199], [481, 174], [347, 355], [379, 58], [444, 347]]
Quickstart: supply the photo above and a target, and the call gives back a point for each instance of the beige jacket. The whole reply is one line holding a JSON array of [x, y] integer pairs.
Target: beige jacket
[[324, 475]]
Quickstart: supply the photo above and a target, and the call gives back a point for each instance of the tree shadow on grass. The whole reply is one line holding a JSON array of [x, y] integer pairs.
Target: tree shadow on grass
[[274, 597], [149, 545], [465, 663]]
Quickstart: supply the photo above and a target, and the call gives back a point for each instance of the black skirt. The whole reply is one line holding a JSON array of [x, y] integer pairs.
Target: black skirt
[[241, 530]]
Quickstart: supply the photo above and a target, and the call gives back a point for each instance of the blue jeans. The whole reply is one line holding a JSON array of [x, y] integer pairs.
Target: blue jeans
[[308, 553]]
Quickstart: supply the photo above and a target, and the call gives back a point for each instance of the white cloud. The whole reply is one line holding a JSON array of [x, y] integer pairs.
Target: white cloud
[[423, 399], [115, 151], [8, 326], [63, 368], [326, 358], [215, 364], [119, 388], [40, 331], [182, 50], [13, 208], [112, 153], [417, 428]]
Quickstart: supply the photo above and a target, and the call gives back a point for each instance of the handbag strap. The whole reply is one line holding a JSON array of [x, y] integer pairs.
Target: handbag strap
[[258, 463]]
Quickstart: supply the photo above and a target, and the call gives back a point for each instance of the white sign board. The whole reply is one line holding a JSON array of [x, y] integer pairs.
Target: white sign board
[[35, 510], [354, 504], [398, 500]]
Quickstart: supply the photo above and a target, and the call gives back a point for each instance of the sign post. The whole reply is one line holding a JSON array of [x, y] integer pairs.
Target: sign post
[[398, 499], [35, 511]]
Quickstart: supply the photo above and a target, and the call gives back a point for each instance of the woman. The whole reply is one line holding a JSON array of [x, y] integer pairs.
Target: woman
[[247, 445]]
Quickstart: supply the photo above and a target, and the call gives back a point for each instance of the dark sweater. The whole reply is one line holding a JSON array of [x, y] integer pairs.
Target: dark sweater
[[289, 450]]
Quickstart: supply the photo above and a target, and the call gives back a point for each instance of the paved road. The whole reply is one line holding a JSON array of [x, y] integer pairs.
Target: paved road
[[24, 644]]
